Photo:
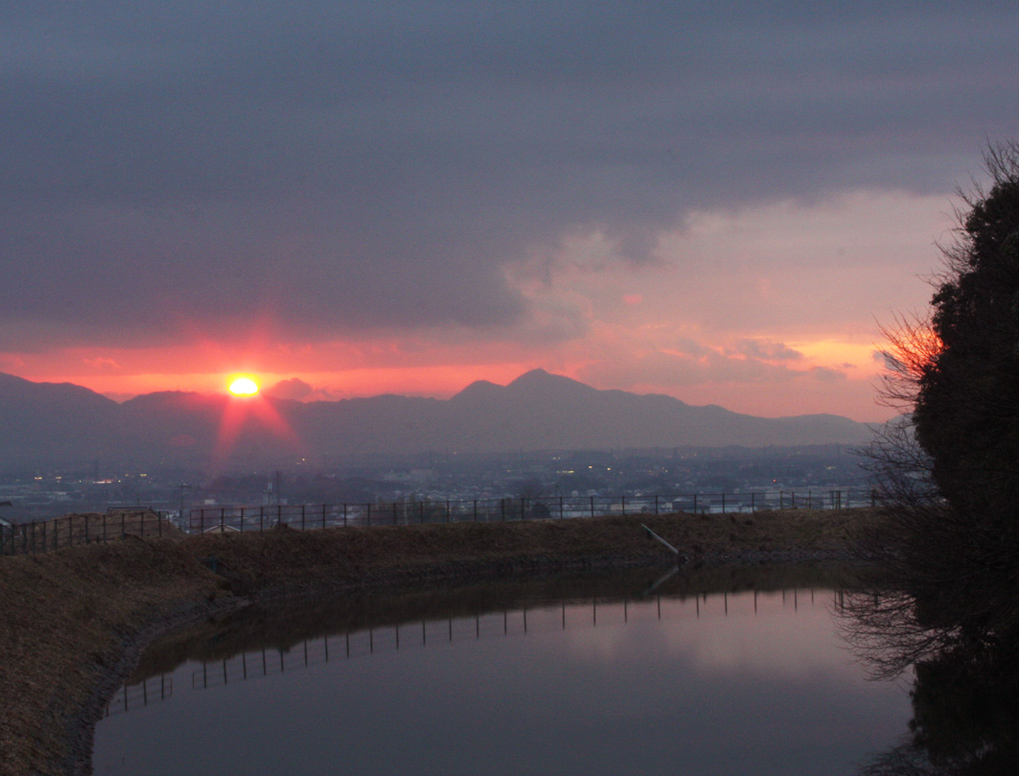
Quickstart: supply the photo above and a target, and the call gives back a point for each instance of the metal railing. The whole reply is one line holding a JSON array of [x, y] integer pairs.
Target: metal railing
[[39, 536], [42, 536], [228, 519]]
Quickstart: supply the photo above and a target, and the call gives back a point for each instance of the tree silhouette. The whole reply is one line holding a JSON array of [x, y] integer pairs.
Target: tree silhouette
[[966, 412], [945, 598]]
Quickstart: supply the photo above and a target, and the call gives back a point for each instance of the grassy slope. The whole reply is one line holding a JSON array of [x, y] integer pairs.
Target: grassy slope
[[72, 620]]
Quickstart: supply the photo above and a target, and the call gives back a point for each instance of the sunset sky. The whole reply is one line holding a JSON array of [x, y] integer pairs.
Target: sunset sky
[[718, 201]]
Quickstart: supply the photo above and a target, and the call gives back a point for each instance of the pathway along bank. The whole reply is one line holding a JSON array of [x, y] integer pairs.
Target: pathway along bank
[[74, 622]]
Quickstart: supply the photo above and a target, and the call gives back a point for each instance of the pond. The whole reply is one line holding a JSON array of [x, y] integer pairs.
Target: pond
[[722, 672]]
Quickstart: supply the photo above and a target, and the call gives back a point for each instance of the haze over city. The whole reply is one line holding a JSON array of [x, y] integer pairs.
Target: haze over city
[[712, 201]]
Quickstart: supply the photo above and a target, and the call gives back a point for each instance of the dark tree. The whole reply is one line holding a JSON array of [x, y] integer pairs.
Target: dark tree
[[950, 468], [966, 412]]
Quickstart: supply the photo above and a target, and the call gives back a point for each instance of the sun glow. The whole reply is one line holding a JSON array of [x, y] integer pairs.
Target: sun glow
[[243, 386]]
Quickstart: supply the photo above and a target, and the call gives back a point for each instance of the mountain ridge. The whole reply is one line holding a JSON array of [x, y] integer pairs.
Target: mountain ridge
[[41, 424]]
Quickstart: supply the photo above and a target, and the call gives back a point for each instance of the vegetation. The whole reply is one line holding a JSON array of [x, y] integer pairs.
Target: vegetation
[[947, 598], [952, 463]]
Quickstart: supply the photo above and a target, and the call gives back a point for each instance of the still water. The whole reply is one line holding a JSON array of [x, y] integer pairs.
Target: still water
[[625, 679]]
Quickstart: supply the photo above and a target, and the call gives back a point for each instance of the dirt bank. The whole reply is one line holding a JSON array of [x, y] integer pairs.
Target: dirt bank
[[74, 621]]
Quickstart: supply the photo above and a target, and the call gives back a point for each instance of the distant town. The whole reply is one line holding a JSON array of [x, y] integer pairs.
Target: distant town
[[93, 487]]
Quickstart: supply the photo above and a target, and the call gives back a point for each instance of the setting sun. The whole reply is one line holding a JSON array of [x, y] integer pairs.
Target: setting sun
[[243, 386]]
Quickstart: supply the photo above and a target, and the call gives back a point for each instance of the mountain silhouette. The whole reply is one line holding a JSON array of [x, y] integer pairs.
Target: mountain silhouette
[[43, 424]]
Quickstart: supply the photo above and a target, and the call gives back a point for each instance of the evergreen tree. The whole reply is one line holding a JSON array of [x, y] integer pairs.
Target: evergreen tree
[[966, 412]]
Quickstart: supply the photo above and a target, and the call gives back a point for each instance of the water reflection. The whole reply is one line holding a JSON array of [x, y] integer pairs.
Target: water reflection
[[965, 695], [725, 671]]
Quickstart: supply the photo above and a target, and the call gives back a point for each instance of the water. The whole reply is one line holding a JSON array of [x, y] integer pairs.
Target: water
[[679, 681]]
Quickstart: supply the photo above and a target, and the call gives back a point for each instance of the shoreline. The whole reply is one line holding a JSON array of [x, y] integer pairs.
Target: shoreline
[[76, 621]]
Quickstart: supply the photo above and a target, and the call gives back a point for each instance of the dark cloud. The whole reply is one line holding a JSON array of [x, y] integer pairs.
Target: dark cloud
[[333, 167]]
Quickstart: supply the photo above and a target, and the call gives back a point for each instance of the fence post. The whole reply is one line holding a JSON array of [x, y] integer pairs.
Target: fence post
[[592, 506], [560, 507], [369, 523], [523, 508], [622, 501], [302, 517], [421, 511], [873, 497], [695, 503], [502, 509], [447, 510], [656, 506], [344, 514], [323, 516], [723, 503], [475, 510]]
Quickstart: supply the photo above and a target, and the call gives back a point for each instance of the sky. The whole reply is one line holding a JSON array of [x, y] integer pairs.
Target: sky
[[723, 202]]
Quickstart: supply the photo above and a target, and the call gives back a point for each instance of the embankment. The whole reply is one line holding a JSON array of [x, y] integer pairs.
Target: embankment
[[74, 621]]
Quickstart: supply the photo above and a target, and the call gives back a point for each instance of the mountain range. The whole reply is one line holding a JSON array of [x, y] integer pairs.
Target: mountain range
[[47, 424]]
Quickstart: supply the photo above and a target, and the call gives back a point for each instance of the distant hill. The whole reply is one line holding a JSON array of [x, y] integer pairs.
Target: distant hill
[[48, 424]]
